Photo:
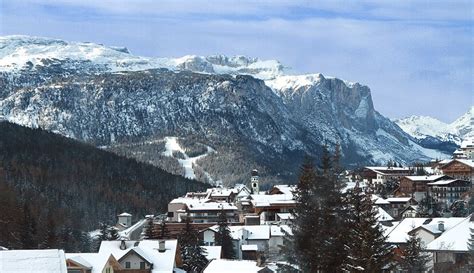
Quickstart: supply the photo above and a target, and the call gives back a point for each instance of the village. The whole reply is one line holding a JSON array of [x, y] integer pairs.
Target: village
[[429, 202]]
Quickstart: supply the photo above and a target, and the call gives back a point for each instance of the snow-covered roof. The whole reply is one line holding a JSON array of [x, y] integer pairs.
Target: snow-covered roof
[[147, 249], [126, 233], [389, 170], [232, 266], [398, 199], [124, 214], [382, 215], [285, 216], [454, 239], [467, 162], [280, 230], [399, 233], [213, 252], [33, 261], [258, 232], [285, 189], [249, 247], [188, 200], [222, 192], [95, 261], [444, 182], [267, 200], [379, 200], [162, 261], [425, 177], [211, 206]]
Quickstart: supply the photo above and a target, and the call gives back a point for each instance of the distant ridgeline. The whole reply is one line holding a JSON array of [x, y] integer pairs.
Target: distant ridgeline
[[52, 186]]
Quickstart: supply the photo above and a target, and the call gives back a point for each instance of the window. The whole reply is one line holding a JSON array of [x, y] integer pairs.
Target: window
[[107, 270], [127, 264], [142, 265]]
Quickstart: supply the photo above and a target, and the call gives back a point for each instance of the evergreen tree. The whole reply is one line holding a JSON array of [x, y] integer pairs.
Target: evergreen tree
[[319, 231], [104, 233], [428, 207], [413, 259], [28, 229], [223, 237], [147, 232], [368, 251], [51, 238], [287, 251], [113, 234], [459, 209], [192, 254]]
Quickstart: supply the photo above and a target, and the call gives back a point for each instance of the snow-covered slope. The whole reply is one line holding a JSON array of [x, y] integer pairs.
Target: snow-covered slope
[[421, 127], [258, 116], [19, 52]]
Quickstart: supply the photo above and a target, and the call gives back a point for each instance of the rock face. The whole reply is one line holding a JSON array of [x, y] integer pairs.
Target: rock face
[[246, 109]]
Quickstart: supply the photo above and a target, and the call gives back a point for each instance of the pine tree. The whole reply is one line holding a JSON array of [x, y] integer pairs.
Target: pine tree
[[223, 237], [428, 207], [113, 234], [459, 209], [147, 232], [51, 238], [28, 229], [413, 259], [368, 251], [319, 231], [192, 254], [104, 232]]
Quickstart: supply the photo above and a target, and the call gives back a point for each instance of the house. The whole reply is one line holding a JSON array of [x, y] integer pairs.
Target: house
[[234, 266], [448, 191], [398, 204], [201, 210], [450, 249], [459, 169], [409, 212], [417, 186], [222, 194], [33, 261], [124, 221], [209, 212], [277, 233], [147, 256], [267, 206], [258, 236], [467, 148], [378, 176], [427, 229]]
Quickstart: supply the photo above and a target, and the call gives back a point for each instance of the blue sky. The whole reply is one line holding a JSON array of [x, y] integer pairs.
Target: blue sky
[[416, 56]]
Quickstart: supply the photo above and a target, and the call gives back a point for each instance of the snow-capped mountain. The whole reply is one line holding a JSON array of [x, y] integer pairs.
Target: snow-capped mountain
[[250, 111], [421, 127], [18, 52]]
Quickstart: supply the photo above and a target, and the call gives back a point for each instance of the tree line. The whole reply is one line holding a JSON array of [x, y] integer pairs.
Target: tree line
[[54, 188]]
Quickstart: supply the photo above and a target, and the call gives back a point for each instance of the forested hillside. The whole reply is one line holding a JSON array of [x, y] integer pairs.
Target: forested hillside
[[52, 188]]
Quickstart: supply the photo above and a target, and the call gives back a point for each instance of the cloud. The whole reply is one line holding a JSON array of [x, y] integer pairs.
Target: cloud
[[415, 52]]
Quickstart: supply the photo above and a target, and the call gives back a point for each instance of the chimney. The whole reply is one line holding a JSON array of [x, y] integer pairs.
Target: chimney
[[122, 244], [161, 246], [441, 226]]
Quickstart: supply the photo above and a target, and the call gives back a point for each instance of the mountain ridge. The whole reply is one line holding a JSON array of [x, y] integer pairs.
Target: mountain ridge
[[267, 115]]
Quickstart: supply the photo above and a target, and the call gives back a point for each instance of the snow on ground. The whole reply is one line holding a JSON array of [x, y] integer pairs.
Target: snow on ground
[[172, 145]]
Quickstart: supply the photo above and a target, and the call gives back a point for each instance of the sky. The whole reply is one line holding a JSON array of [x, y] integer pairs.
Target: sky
[[416, 56]]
